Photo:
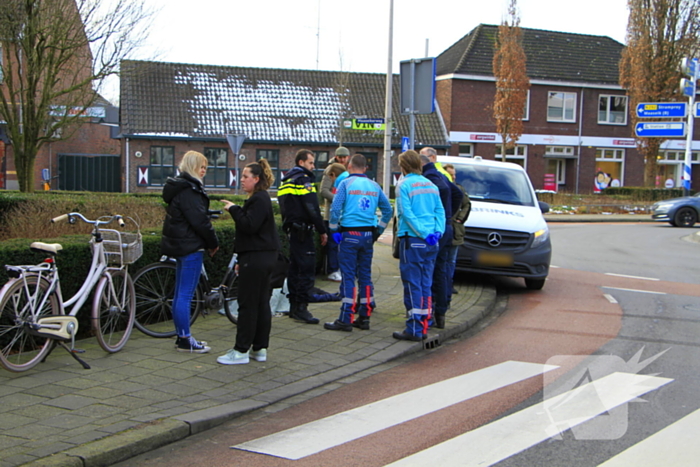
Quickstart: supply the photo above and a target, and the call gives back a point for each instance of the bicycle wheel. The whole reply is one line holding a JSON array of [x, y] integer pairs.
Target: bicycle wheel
[[231, 295], [155, 288], [20, 349], [113, 310]]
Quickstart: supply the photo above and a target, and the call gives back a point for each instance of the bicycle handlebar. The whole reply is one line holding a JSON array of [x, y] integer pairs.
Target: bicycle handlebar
[[97, 222]]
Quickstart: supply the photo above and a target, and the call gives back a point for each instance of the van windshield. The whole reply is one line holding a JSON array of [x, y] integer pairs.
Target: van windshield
[[495, 185]]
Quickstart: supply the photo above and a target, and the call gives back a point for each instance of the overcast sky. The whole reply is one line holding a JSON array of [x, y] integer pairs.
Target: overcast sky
[[348, 35]]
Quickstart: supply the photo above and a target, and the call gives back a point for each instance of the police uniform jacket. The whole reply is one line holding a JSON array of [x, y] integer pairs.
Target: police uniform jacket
[[299, 201]]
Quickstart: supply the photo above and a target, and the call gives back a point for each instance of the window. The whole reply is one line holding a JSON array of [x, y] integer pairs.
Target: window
[[320, 163], [678, 156], [609, 168], [516, 155], [561, 107], [161, 165], [562, 151], [526, 110], [273, 158], [466, 150], [612, 110], [217, 172], [558, 168]]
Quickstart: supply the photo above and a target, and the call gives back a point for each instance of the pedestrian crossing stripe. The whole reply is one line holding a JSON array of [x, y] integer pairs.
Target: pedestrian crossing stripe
[[676, 445], [311, 438], [503, 438]]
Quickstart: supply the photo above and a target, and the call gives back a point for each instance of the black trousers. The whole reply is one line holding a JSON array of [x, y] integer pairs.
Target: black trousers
[[302, 266], [254, 316]]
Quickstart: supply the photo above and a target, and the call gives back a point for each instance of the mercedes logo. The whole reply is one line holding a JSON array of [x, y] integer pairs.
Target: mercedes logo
[[494, 239]]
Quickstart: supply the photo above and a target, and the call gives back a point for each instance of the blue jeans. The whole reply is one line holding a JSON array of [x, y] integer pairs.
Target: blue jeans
[[187, 272], [355, 258], [416, 264]]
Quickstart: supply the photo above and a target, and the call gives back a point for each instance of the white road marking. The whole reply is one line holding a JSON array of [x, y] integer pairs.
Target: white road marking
[[633, 290], [676, 445], [499, 440], [632, 277], [610, 298], [310, 438]]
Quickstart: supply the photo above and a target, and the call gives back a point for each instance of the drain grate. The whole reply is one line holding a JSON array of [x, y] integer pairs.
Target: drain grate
[[431, 342]]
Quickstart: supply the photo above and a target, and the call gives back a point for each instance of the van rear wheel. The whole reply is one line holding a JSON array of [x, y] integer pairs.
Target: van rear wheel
[[534, 284]]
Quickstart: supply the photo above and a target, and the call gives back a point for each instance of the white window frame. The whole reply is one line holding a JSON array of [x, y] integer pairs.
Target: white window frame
[[678, 157], [469, 147], [608, 116], [618, 155], [519, 153], [566, 96], [559, 151], [526, 117]]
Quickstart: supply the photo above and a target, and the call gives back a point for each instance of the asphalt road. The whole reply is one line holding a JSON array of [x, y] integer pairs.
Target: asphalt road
[[631, 298]]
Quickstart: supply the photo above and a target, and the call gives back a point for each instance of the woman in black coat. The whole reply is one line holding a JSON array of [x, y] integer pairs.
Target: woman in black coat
[[257, 245], [187, 233]]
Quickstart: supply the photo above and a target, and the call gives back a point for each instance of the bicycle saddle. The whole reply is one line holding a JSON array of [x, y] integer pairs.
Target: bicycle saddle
[[52, 248]]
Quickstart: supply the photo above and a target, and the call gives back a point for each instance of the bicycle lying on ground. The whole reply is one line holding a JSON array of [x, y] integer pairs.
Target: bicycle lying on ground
[[32, 309], [155, 289]]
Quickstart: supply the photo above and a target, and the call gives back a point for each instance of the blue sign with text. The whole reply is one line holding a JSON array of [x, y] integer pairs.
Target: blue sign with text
[[660, 129], [662, 110]]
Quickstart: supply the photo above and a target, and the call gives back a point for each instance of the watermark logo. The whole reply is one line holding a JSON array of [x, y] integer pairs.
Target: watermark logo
[[611, 423]]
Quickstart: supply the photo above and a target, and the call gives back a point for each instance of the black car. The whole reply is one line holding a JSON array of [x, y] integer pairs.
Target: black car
[[679, 212]]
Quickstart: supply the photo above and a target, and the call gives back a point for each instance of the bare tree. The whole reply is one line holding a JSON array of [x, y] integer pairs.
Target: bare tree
[[512, 83], [659, 34], [55, 55]]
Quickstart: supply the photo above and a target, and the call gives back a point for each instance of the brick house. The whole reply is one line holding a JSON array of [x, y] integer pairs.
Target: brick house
[[91, 147], [577, 122], [170, 108]]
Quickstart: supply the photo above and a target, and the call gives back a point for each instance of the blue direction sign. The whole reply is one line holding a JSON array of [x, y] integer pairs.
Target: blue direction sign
[[662, 109], [697, 110], [660, 129]]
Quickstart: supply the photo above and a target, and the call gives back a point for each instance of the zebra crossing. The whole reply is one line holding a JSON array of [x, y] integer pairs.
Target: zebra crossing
[[498, 440]]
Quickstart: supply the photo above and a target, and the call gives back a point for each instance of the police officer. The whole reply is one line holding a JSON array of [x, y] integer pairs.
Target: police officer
[[300, 217], [354, 221]]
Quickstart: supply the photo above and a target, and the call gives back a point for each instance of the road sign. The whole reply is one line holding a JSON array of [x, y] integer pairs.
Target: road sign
[[687, 87], [417, 80], [660, 129], [697, 110], [368, 124], [405, 144], [662, 109], [688, 66]]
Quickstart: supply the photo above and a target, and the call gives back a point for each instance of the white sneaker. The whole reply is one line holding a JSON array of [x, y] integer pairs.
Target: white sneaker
[[335, 276], [233, 357], [259, 356]]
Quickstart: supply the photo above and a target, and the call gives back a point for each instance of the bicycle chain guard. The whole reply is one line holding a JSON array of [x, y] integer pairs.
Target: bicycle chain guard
[[62, 328]]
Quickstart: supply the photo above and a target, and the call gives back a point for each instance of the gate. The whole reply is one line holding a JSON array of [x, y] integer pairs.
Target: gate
[[89, 172]]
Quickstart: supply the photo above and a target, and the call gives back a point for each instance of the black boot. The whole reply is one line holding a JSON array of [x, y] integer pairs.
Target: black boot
[[338, 325], [440, 321], [302, 313], [361, 322]]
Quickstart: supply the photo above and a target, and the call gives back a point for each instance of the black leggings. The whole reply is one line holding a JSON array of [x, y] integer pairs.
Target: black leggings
[[254, 316]]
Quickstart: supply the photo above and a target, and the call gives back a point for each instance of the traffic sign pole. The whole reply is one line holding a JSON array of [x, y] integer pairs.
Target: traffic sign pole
[[694, 73]]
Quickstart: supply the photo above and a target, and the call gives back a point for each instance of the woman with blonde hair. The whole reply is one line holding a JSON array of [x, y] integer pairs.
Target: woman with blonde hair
[[257, 244], [187, 233]]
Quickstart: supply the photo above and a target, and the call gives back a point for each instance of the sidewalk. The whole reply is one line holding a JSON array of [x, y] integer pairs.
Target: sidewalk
[[149, 395]]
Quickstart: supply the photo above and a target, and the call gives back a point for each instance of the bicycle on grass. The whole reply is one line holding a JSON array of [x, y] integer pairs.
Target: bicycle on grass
[[155, 288], [32, 310]]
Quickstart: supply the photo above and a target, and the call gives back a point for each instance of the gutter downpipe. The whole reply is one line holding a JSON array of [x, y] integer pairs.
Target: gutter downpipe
[[126, 181], [580, 133]]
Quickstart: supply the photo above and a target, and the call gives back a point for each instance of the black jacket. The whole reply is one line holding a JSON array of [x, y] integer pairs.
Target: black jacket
[[255, 224], [299, 201], [187, 227]]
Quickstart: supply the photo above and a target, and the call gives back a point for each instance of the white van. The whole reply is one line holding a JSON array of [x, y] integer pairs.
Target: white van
[[506, 233]]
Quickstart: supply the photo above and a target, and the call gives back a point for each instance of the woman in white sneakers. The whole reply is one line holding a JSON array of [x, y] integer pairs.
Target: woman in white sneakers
[[257, 244]]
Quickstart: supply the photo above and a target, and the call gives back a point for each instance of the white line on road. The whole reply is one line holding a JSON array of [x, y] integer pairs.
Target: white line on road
[[610, 298], [499, 440], [676, 445], [310, 438], [633, 290], [632, 277]]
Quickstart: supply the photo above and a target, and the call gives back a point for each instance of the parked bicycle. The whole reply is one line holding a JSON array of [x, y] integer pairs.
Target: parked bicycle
[[155, 289], [32, 310]]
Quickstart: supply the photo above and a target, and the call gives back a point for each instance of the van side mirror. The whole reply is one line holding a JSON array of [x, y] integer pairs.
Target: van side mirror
[[544, 207]]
